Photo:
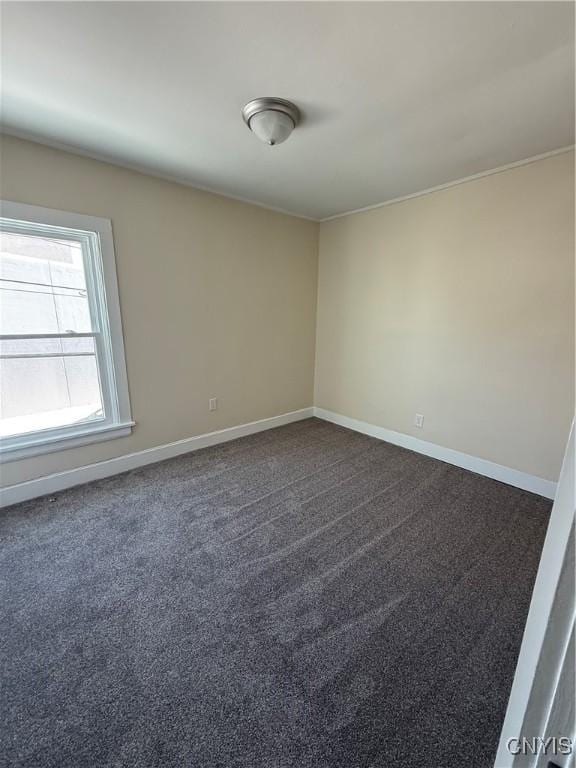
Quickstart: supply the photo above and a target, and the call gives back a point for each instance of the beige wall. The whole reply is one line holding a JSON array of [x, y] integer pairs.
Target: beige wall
[[218, 299], [458, 305]]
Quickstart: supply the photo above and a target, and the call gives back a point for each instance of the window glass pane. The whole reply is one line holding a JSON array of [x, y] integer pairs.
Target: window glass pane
[[48, 383], [62, 370], [42, 285]]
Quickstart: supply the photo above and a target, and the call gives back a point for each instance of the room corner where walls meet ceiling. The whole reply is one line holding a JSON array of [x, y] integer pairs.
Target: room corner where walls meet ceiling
[[386, 114]]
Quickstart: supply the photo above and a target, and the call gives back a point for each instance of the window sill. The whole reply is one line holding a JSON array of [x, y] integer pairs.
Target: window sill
[[37, 445]]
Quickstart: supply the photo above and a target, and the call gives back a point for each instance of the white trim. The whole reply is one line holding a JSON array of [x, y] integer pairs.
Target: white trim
[[57, 482], [95, 234], [545, 592], [49, 441], [499, 472], [103, 158], [61, 480], [455, 183], [136, 168]]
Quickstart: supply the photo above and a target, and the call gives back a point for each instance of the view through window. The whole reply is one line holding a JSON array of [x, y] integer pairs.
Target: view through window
[[48, 357]]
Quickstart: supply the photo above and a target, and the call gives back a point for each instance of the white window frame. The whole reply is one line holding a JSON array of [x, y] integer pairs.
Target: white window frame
[[95, 235]]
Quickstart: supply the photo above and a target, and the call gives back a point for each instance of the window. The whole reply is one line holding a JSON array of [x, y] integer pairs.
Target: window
[[62, 371]]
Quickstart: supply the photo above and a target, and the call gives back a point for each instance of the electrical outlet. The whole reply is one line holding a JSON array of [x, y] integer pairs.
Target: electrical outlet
[[212, 404], [419, 420]]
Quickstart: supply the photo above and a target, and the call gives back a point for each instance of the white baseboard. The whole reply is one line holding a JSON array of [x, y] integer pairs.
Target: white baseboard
[[59, 481], [41, 486], [507, 475]]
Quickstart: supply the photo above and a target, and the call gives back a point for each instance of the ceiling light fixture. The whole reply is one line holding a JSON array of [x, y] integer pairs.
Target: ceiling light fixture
[[271, 119]]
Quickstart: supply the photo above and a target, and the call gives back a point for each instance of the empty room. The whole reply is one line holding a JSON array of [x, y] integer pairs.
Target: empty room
[[287, 384]]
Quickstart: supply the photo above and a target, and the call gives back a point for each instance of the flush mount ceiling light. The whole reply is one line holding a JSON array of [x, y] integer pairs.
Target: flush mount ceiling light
[[272, 120]]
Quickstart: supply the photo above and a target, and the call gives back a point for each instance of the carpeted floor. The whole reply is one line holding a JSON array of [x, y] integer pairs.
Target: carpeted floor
[[307, 597]]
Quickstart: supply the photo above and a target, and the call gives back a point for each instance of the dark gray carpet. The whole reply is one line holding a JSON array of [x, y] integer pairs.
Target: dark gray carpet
[[303, 598]]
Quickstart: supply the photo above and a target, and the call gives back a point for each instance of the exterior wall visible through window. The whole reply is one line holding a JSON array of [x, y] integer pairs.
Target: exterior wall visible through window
[[62, 362]]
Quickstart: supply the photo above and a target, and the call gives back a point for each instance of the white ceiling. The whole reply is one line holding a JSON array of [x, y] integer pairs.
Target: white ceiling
[[397, 97]]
